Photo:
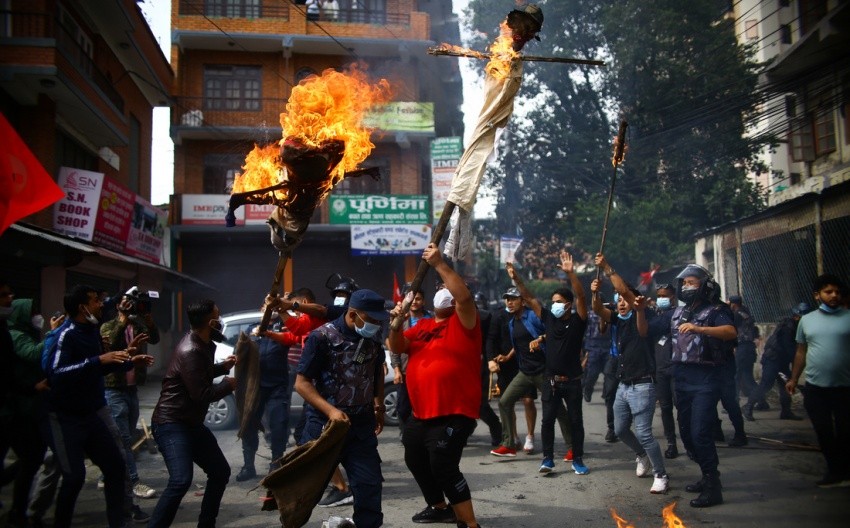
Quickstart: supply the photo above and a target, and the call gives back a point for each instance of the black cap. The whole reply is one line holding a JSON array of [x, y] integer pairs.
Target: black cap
[[511, 292], [369, 302]]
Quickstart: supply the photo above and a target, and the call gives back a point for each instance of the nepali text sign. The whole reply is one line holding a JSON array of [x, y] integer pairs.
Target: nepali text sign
[[370, 240], [207, 209], [378, 209], [113, 217], [402, 117], [75, 214], [144, 239], [445, 155], [256, 214]]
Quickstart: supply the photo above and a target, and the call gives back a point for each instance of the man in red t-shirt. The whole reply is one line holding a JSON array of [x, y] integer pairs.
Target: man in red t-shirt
[[444, 385]]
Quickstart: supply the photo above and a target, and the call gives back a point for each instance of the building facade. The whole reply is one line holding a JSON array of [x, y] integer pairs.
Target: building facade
[[236, 64]]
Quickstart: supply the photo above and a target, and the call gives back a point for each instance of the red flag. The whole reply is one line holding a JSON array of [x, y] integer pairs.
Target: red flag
[[25, 187], [397, 296], [646, 276]]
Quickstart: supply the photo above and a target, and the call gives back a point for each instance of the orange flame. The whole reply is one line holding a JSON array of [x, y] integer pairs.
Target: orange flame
[[671, 520], [332, 107], [621, 523], [262, 169], [501, 53], [321, 108], [617, 155]]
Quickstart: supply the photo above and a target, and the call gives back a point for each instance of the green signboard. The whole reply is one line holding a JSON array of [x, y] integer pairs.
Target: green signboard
[[379, 209], [402, 117]]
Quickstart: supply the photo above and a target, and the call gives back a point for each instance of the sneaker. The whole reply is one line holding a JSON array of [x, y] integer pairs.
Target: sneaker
[[579, 467], [569, 456], [143, 491], [529, 445], [503, 451], [643, 465], [336, 497], [139, 516], [435, 515], [610, 437], [660, 484], [547, 466]]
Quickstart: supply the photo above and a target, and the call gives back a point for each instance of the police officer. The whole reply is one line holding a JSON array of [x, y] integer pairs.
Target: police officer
[[344, 359]]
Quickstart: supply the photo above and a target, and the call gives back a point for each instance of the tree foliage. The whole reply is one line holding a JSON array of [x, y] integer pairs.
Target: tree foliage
[[676, 73]]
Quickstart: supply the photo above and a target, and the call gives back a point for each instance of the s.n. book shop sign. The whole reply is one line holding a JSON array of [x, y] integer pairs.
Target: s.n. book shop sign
[[354, 209]]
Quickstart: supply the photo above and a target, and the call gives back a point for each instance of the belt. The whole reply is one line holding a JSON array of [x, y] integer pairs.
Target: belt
[[560, 378], [645, 379]]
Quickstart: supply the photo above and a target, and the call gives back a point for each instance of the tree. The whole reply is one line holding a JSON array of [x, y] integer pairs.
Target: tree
[[687, 89]]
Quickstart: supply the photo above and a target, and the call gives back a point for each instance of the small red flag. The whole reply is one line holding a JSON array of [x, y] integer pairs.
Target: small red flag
[[25, 187], [397, 296]]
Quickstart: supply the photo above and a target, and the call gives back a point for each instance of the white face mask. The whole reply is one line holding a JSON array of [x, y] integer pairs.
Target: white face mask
[[90, 318], [443, 299], [38, 322]]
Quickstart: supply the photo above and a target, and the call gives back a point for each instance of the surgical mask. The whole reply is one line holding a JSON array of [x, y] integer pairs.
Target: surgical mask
[[558, 309], [215, 331], [443, 299], [5, 312], [663, 302], [828, 309], [90, 318], [368, 329], [38, 322], [687, 294], [625, 317], [339, 301]]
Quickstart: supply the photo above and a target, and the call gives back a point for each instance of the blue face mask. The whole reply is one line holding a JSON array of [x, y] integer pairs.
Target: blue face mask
[[558, 309], [627, 316], [663, 302], [828, 309], [368, 329]]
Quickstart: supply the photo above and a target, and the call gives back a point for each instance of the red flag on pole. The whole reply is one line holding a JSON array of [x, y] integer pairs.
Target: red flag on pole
[[25, 187], [397, 296]]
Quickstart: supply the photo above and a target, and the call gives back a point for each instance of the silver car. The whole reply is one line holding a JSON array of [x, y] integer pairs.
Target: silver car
[[222, 414]]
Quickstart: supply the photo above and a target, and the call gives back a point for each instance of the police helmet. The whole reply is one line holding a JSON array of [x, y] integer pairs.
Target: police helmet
[[336, 283], [480, 300], [801, 309], [709, 290]]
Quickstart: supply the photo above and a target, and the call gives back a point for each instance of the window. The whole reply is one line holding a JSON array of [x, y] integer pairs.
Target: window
[[220, 170], [811, 12], [752, 29], [785, 34], [234, 88], [824, 131], [75, 41], [69, 153], [233, 8], [365, 184], [802, 140]]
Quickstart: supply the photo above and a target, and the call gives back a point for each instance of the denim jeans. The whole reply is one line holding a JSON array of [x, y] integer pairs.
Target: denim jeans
[[517, 389], [182, 446], [124, 405], [570, 393], [275, 400], [697, 394], [636, 403]]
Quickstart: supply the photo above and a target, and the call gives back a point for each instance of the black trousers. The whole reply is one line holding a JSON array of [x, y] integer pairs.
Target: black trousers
[[570, 392], [827, 409], [609, 389], [432, 451], [664, 391]]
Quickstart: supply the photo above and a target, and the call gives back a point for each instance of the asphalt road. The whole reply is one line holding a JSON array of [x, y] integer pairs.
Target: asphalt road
[[766, 484]]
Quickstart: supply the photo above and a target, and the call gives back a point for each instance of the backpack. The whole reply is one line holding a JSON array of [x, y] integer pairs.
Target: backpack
[[51, 344]]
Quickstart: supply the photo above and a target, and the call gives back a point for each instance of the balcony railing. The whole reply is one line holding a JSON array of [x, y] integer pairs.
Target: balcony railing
[[44, 25], [204, 112], [218, 8]]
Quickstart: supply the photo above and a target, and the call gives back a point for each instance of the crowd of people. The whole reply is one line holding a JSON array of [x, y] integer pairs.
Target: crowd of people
[[72, 393]]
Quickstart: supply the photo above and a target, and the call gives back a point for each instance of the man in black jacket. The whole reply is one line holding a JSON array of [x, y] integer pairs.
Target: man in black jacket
[[178, 419]]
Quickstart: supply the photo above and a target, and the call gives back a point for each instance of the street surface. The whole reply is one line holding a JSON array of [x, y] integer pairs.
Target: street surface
[[764, 485]]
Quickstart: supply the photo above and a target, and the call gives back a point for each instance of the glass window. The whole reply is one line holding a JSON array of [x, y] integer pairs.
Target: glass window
[[236, 88], [220, 170], [824, 131]]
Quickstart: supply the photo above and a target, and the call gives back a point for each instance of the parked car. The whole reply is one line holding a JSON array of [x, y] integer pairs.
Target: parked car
[[222, 414]]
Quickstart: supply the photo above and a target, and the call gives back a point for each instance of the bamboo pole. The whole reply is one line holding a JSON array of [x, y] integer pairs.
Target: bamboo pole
[[472, 54]]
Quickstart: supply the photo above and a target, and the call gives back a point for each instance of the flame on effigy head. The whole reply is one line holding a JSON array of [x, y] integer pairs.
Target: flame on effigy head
[[502, 53]]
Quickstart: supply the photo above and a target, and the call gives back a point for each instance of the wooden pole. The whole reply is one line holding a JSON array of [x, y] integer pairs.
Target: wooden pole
[[282, 260], [618, 157], [472, 54]]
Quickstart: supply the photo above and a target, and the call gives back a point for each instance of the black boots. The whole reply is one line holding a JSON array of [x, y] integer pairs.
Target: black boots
[[739, 440], [747, 411], [671, 452], [709, 490], [247, 472]]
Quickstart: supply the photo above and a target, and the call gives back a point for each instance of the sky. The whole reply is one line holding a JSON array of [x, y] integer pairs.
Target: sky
[[158, 13]]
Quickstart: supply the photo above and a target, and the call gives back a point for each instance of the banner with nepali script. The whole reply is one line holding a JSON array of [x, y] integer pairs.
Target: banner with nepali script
[[372, 240], [144, 239], [356, 209]]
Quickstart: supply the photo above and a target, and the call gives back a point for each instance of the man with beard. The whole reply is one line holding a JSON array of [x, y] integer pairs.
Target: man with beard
[[178, 418], [823, 353], [443, 375]]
